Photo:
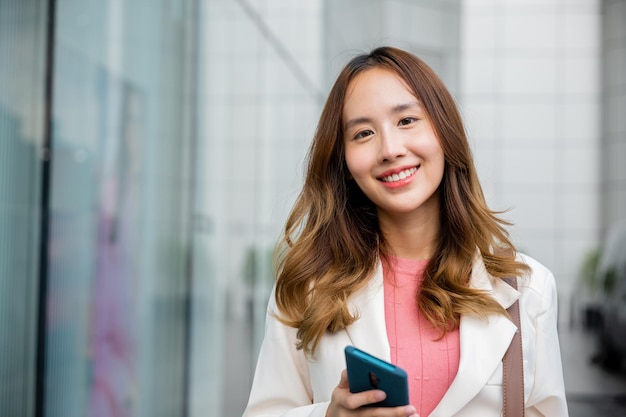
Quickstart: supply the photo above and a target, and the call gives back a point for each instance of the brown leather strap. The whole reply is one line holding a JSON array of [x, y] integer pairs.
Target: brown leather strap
[[513, 366]]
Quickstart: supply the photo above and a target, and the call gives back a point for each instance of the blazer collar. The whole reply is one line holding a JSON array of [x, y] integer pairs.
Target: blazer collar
[[502, 292], [483, 342]]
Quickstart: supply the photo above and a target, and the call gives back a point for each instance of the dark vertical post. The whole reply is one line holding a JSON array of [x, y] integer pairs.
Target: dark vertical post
[[46, 161]]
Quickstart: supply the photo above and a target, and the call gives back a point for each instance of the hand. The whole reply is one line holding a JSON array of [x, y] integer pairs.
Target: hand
[[343, 403]]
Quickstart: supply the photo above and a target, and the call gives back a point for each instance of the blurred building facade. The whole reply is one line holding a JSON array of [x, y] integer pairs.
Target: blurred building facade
[[150, 152], [531, 92]]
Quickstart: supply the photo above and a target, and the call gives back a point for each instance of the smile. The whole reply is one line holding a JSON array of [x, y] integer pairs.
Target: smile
[[400, 175]]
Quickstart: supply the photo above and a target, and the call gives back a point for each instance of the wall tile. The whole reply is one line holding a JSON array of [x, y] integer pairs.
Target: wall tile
[[528, 75], [535, 211], [479, 33], [581, 74], [478, 6], [243, 165], [282, 80], [579, 210], [528, 166], [580, 31], [580, 120], [529, 31], [479, 115], [529, 7], [579, 165], [413, 21], [478, 75], [541, 246], [529, 123]]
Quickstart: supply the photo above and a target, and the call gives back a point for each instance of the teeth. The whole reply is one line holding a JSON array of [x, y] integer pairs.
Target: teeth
[[400, 176]]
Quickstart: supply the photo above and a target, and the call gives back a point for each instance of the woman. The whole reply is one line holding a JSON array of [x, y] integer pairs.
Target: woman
[[391, 247]]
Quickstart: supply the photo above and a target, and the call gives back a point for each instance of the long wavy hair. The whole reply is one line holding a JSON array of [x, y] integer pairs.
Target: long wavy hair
[[332, 242]]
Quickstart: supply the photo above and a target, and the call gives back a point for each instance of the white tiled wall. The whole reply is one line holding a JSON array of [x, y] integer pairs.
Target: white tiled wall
[[531, 94], [428, 28], [261, 95]]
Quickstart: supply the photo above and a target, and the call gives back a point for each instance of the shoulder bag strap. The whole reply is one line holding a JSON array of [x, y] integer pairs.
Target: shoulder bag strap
[[513, 366]]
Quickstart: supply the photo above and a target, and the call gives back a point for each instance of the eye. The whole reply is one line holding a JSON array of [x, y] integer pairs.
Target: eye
[[363, 134], [406, 121]]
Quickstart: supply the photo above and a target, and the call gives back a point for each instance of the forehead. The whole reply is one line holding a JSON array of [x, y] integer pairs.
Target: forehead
[[379, 86]]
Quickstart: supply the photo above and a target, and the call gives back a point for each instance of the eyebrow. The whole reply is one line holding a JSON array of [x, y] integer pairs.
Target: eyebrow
[[394, 110]]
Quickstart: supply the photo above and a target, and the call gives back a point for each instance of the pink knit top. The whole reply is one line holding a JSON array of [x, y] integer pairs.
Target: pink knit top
[[431, 364]]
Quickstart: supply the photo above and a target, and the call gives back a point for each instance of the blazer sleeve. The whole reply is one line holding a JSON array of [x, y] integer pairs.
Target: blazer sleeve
[[547, 397], [281, 386]]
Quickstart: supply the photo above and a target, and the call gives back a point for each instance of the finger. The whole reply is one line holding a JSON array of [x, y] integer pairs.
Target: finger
[[409, 411], [354, 401], [402, 411]]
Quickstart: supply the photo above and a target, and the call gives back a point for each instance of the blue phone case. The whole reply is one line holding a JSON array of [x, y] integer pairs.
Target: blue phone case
[[367, 372]]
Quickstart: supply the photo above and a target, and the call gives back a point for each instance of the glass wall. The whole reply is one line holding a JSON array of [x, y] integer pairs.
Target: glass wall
[[178, 129], [22, 89], [120, 208], [22, 54]]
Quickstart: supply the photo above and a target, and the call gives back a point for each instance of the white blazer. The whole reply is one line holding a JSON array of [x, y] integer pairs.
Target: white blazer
[[287, 383]]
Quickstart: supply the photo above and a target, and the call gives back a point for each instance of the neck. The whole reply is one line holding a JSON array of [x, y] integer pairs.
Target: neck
[[414, 238]]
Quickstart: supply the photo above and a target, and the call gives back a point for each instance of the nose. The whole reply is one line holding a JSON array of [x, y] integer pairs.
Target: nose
[[392, 146]]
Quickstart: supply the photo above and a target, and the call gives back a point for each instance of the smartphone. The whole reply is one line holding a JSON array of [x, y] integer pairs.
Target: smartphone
[[367, 372]]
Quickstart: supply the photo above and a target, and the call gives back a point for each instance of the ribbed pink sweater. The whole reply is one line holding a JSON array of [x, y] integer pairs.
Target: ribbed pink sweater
[[430, 363]]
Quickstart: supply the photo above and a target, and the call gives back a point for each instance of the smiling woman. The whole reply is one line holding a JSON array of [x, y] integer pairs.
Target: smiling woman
[[390, 141], [391, 247]]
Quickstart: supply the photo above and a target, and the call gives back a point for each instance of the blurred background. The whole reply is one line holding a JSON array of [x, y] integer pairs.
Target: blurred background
[[151, 150]]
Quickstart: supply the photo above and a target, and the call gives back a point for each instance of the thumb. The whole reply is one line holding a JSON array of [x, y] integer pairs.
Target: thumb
[[343, 382]]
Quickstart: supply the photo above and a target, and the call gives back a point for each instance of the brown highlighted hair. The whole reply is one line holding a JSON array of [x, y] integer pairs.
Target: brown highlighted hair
[[332, 242]]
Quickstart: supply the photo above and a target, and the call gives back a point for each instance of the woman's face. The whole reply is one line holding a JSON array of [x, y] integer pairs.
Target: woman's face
[[391, 149]]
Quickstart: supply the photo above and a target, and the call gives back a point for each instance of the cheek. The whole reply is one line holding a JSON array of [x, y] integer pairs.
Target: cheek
[[355, 162], [441, 162], [435, 155], [435, 163]]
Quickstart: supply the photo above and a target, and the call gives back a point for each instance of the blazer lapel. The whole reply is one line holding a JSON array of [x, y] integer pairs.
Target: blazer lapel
[[369, 332], [483, 344]]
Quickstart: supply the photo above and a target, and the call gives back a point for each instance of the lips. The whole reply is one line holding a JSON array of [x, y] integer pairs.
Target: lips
[[398, 176]]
